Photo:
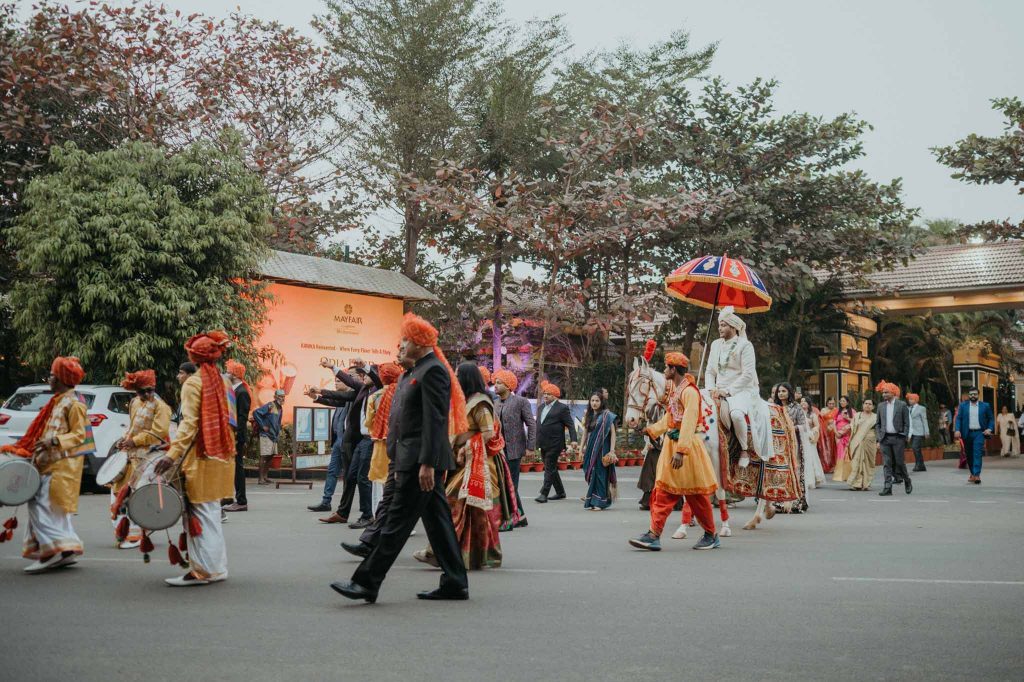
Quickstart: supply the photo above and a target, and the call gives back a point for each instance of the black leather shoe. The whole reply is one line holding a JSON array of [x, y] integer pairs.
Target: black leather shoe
[[319, 507], [909, 488], [920, 468], [541, 498], [441, 594], [354, 591], [557, 496], [886, 491], [360, 550], [360, 524]]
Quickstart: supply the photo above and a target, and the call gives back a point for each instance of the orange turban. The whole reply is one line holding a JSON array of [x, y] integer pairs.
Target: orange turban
[[508, 378], [68, 370], [485, 373], [135, 381], [422, 333], [389, 373], [884, 386], [914, 396], [676, 359], [208, 347], [551, 389], [236, 368]]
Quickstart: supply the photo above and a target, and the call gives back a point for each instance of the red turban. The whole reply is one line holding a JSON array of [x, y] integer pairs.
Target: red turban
[[389, 373], [208, 347], [677, 359], [884, 386], [135, 381], [551, 389], [508, 378], [68, 371], [485, 373], [914, 396], [236, 368], [422, 333]]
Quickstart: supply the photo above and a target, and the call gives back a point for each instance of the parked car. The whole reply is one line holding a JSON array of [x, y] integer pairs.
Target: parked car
[[107, 407]]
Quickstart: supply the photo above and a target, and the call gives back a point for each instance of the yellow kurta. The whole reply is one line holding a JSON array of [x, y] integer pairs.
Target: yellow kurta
[[147, 428], [66, 424], [379, 459], [696, 476], [206, 479]]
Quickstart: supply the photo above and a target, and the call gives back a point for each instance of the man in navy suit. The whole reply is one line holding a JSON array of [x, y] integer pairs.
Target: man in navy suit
[[974, 423]]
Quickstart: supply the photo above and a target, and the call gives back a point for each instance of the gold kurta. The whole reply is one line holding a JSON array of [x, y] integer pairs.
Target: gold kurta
[[696, 476], [66, 424], [150, 424], [379, 459], [206, 479]]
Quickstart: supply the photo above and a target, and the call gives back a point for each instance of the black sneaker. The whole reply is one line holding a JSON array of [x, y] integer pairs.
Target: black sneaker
[[709, 541], [319, 507], [648, 541], [361, 523]]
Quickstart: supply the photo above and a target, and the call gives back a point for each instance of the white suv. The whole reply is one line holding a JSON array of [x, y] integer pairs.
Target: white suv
[[108, 413]]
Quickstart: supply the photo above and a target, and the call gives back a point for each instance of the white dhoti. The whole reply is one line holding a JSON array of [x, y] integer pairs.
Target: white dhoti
[[378, 495], [748, 404], [49, 530], [207, 553]]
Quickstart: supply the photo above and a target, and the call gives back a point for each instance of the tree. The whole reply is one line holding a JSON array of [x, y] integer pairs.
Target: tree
[[124, 254], [992, 160], [411, 64]]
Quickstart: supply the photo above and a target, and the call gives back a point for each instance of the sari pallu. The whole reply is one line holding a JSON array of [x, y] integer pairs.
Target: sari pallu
[[603, 485], [827, 441]]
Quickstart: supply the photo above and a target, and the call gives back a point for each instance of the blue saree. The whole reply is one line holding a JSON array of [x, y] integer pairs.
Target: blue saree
[[601, 479]]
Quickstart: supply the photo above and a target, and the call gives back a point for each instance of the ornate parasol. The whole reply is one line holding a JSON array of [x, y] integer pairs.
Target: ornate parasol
[[713, 281]]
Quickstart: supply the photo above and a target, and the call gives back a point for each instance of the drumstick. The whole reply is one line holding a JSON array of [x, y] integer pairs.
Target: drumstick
[[160, 491]]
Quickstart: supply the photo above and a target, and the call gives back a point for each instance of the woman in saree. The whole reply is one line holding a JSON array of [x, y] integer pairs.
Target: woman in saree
[[599, 444], [863, 447], [476, 489], [843, 421], [783, 396], [827, 436], [814, 472]]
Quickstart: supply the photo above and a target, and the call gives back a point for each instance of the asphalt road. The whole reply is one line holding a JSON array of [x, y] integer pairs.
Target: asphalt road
[[927, 587]]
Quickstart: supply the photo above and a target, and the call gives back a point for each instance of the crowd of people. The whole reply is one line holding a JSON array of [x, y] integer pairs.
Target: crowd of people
[[419, 440]]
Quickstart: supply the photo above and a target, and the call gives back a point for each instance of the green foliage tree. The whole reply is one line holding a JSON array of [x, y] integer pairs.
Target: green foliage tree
[[986, 160], [124, 254]]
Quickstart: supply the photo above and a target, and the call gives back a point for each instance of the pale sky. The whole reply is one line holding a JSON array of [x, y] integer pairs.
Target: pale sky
[[921, 72]]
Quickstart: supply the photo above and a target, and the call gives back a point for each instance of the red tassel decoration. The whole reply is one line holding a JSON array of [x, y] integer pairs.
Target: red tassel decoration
[[195, 528], [11, 523], [173, 555], [649, 349], [3, 536], [122, 529], [147, 545], [182, 542]]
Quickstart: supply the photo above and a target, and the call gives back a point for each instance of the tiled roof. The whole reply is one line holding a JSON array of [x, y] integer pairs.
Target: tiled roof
[[324, 273], [956, 267]]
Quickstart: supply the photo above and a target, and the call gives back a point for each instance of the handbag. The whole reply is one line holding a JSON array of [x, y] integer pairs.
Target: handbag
[[610, 459]]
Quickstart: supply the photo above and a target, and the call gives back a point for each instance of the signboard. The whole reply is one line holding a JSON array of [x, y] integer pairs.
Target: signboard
[[312, 461], [306, 326], [322, 423], [303, 424]]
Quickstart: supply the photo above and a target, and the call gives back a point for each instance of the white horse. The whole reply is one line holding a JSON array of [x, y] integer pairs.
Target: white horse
[[646, 390]]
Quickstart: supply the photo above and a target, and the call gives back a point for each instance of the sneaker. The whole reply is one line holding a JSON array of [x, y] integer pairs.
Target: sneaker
[[40, 566], [129, 544], [680, 533], [187, 580], [67, 559], [709, 541], [648, 541]]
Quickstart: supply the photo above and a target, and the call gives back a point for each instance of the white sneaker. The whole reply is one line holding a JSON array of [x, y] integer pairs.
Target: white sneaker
[[130, 544], [220, 578], [680, 533], [40, 566], [187, 580], [67, 560]]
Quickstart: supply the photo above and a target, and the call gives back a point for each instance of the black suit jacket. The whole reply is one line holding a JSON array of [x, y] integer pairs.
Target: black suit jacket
[[418, 427], [243, 403], [551, 431], [900, 418]]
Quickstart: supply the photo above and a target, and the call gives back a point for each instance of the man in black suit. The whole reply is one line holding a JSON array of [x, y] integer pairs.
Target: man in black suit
[[243, 404], [555, 419], [892, 429], [419, 446]]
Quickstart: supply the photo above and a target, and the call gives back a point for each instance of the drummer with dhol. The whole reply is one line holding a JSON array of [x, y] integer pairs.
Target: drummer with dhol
[[52, 441], [204, 447], [150, 423]]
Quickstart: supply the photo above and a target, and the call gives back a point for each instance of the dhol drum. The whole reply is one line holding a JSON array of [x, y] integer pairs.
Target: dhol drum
[[19, 480], [112, 469], [155, 506]]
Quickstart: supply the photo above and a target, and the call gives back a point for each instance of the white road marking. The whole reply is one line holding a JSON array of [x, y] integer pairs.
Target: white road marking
[[984, 501], [930, 581], [832, 499], [137, 559], [942, 501]]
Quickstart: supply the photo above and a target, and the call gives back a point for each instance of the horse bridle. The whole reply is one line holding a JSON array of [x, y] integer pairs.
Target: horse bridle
[[645, 391]]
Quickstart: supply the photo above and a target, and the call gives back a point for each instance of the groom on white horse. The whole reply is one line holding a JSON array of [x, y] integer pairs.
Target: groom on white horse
[[731, 375]]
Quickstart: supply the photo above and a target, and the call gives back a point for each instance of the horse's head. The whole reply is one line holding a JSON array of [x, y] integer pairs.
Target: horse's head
[[645, 388]]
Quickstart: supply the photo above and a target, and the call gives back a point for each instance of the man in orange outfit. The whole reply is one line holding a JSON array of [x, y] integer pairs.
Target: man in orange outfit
[[684, 468]]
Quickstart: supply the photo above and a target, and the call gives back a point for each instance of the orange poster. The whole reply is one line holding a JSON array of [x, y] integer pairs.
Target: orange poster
[[306, 325]]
